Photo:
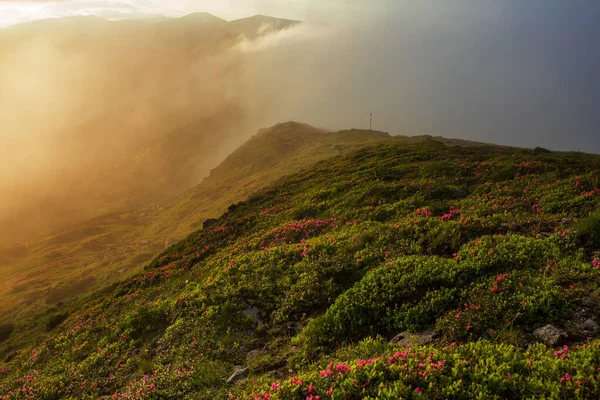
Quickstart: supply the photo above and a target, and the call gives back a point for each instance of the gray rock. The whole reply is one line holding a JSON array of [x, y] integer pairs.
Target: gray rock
[[255, 354], [589, 302], [209, 222], [254, 314], [581, 314], [550, 335], [277, 375], [238, 374], [408, 339], [460, 194], [566, 221], [591, 326]]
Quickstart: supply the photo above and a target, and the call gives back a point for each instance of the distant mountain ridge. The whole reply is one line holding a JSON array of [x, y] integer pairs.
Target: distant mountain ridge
[[243, 25]]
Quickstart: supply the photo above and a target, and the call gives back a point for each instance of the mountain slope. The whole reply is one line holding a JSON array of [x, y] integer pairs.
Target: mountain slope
[[146, 108], [41, 273], [485, 244]]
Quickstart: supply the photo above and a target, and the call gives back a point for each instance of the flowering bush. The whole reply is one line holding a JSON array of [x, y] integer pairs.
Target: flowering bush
[[484, 246], [481, 368]]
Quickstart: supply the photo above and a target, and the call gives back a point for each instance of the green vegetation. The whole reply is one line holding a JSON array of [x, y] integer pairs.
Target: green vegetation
[[5, 331], [94, 254], [306, 281]]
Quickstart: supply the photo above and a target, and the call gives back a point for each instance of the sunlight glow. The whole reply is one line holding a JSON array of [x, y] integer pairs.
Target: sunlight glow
[[13, 12]]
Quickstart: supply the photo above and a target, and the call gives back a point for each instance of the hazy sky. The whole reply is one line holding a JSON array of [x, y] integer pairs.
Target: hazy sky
[[518, 72], [12, 12]]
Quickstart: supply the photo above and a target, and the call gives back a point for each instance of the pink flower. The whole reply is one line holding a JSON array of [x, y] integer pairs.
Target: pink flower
[[325, 373], [296, 381], [596, 263], [417, 390], [495, 289], [424, 212], [311, 388], [275, 385], [362, 363], [342, 368]]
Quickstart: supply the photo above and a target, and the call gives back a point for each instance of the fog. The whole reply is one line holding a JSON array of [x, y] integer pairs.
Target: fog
[[100, 116]]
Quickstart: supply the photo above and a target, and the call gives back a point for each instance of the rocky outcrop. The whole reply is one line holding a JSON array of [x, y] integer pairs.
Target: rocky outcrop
[[408, 339], [238, 374], [254, 314], [550, 335]]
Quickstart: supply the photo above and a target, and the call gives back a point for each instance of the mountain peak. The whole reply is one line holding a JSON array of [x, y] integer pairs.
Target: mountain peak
[[261, 24], [201, 17], [287, 128], [264, 18]]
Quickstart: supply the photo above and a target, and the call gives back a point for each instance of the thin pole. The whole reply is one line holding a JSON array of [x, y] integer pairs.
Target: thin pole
[[371, 121]]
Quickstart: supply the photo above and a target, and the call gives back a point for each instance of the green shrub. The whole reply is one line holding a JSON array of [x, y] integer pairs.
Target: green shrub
[[55, 321], [588, 231], [541, 150], [145, 319]]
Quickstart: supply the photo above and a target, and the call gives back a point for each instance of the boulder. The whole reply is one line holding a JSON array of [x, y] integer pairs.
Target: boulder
[[591, 327], [209, 222], [550, 335], [254, 314], [407, 339], [460, 194], [238, 374], [589, 302]]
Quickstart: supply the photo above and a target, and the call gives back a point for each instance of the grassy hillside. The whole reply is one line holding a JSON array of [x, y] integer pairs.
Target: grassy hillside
[[300, 288], [44, 273]]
